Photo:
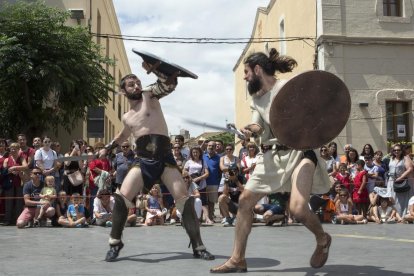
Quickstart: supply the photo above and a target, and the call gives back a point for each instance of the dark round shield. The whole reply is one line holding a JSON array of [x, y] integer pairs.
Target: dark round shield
[[310, 110], [165, 67]]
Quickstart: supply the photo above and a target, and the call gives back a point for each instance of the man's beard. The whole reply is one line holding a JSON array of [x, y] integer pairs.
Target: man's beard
[[255, 85], [134, 96]]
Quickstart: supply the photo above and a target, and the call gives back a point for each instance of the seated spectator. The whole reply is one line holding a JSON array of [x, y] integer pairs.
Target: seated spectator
[[155, 212], [47, 196], [384, 212], [76, 212], [132, 218], [192, 189], [409, 217], [31, 192], [344, 210], [275, 210], [62, 204], [103, 204], [229, 199]]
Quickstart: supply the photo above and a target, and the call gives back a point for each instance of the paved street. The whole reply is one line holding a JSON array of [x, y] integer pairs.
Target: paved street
[[162, 250]]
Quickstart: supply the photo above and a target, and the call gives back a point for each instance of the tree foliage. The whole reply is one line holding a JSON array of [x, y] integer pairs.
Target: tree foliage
[[49, 72], [226, 137]]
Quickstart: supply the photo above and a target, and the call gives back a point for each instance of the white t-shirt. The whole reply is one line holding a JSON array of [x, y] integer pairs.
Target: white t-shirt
[[48, 157], [98, 207]]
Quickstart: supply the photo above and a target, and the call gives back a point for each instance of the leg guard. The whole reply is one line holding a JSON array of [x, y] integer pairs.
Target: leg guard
[[192, 227], [119, 217]]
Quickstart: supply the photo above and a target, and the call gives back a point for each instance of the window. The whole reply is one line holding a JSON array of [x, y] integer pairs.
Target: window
[[397, 121], [392, 8]]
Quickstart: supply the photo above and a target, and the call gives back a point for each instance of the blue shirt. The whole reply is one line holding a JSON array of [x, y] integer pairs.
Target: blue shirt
[[213, 164], [72, 211]]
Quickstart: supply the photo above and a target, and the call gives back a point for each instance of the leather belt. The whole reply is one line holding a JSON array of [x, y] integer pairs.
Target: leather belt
[[276, 147]]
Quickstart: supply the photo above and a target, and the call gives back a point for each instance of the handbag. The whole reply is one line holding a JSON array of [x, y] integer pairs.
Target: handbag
[[76, 178], [401, 186]]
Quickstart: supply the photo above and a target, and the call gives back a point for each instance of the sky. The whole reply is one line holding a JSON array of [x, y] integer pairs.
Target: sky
[[210, 98]]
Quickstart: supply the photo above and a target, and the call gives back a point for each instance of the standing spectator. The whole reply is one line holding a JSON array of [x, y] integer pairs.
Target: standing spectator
[[351, 158], [45, 158], [37, 143], [214, 176], [400, 168], [330, 161], [228, 160], [185, 151], [178, 156], [333, 150], [248, 163], [95, 168], [13, 165], [31, 192], [360, 192], [220, 148], [372, 173], [71, 168], [382, 167], [59, 166], [123, 161], [243, 151], [3, 155], [367, 150], [343, 158], [27, 153], [198, 170]]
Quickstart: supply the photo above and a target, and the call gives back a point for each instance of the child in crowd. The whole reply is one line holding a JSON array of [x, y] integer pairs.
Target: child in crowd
[[62, 208], [344, 210], [132, 217], [154, 207], [103, 205], [48, 196], [343, 176], [384, 212], [409, 217], [76, 212], [360, 192]]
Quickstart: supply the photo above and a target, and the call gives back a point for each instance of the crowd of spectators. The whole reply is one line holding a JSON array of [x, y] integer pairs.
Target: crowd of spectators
[[38, 187]]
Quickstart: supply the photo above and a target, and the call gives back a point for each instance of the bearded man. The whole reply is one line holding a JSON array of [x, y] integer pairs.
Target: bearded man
[[154, 163], [279, 169]]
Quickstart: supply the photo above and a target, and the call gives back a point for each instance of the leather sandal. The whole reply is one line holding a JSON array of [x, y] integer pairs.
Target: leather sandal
[[203, 255], [230, 267], [113, 252], [320, 255]]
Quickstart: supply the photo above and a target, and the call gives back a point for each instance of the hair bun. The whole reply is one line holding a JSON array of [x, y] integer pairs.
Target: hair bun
[[273, 54]]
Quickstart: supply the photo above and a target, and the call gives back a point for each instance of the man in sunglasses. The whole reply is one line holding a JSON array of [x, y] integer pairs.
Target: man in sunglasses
[[31, 196]]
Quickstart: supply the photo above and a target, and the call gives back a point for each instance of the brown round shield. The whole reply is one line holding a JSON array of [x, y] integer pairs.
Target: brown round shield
[[310, 110]]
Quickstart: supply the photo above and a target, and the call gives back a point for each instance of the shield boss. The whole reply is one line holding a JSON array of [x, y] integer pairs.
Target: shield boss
[[310, 110]]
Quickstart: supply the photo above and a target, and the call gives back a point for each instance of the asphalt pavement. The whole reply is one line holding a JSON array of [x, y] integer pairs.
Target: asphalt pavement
[[162, 250]]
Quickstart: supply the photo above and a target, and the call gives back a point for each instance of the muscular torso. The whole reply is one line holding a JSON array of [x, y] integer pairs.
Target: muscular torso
[[146, 117]]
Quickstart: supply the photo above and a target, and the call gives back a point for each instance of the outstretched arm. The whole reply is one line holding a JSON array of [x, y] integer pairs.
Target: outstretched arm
[[164, 85]]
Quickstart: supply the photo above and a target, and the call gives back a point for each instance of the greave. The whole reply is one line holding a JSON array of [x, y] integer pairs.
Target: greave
[[191, 225], [119, 217]]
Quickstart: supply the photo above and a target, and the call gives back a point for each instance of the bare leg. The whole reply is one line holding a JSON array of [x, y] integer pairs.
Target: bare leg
[[301, 188], [237, 262], [223, 205]]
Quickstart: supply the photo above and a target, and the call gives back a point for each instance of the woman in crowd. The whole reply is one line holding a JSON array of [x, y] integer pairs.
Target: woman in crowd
[[198, 171], [71, 168], [351, 158], [248, 163], [330, 161], [367, 150], [226, 161], [400, 169], [178, 156]]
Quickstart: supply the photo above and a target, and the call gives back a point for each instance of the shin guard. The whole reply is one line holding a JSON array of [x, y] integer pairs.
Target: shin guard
[[191, 225], [119, 217]]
